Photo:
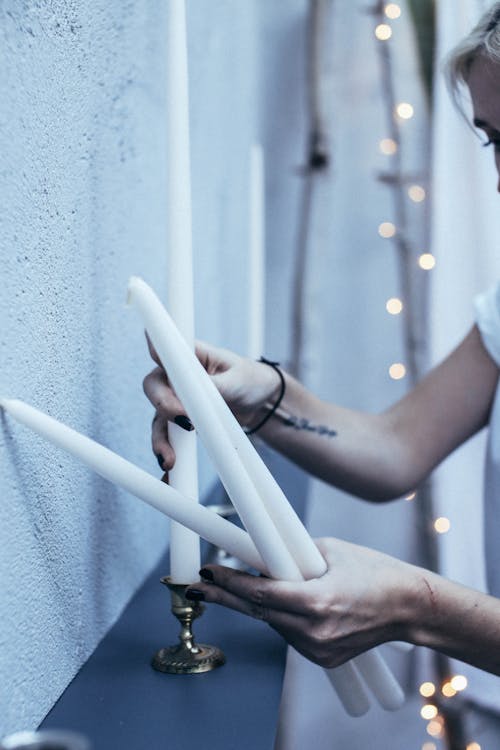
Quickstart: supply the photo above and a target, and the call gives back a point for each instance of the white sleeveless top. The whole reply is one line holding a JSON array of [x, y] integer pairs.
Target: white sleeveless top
[[488, 321]]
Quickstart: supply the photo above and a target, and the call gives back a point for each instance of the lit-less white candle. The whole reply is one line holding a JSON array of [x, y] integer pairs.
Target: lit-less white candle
[[256, 255], [233, 456], [123, 473], [186, 375], [184, 545]]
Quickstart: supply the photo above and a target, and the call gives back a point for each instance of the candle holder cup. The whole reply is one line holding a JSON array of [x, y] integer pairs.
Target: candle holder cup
[[187, 657]]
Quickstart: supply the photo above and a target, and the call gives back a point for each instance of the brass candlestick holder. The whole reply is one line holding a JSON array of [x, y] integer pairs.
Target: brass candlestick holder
[[187, 657]]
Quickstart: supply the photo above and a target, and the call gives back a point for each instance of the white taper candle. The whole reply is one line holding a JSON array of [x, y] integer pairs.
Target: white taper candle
[[184, 373], [131, 478], [184, 545], [380, 680], [256, 255]]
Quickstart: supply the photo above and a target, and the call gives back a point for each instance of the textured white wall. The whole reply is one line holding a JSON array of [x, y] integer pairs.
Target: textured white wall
[[82, 206]]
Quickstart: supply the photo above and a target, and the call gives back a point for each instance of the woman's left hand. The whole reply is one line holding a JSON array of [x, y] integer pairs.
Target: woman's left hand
[[365, 598]]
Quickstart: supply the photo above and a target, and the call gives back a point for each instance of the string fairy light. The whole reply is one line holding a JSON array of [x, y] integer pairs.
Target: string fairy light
[[394, 306], [416, 193], [442, 720], [428, 711], [459, 682], [448, 690], [427, 689], [435, 728], [387, 229], [383, 32], [427, 261], [388, 146], [392, 11], [442, 525], [397, 371], [405, 110]]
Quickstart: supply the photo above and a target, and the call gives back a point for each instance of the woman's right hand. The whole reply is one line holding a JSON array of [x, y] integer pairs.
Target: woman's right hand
[[245, 385]]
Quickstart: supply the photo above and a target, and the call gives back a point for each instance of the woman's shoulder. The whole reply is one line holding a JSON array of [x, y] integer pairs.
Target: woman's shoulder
[[487, 307]]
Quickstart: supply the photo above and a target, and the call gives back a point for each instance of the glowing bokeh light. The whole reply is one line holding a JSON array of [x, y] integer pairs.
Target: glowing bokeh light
[[427, 261], [405, 110], [416, 193], [459, 682], [442, 526], [397, 371], [388, 146], [435, 728], [394, 306], [427, 689], [392, 10], [387, 229], [383, 32], [448, 690], [429, 711]]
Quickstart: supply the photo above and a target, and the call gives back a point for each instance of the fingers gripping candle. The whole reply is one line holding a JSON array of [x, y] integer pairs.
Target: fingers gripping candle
[[184, 545]]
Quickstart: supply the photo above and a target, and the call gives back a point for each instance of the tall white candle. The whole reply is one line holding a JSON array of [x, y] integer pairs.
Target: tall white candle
[[161, 496], [185, 371], [216, 426], [200, 396], [256, 255], [184, 545]]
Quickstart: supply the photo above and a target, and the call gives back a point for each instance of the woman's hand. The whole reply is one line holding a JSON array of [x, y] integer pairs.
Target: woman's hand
[[364, 599], [245, 385]]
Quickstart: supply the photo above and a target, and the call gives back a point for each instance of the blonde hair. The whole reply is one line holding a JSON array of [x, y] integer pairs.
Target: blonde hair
[[484, 39]]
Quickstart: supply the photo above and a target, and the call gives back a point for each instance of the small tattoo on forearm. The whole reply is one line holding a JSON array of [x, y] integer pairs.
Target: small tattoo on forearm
[[301, 423]]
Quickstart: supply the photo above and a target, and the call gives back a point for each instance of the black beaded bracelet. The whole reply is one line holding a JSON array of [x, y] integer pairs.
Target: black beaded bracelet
[[272, 410]]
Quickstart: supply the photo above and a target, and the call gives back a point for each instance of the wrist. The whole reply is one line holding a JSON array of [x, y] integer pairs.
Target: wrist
[[407, 604], [422, 612], [274, 394]]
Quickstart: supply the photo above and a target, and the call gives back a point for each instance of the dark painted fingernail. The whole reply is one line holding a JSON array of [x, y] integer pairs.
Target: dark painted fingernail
[[184, 422], [161, 461], [195, 595], [206, 574]]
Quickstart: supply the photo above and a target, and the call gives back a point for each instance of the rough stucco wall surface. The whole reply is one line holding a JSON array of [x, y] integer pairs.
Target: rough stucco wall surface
[[82, 207], [80, 132]]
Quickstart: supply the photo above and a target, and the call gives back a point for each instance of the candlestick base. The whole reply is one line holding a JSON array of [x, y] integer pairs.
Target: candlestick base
[[187, 657]]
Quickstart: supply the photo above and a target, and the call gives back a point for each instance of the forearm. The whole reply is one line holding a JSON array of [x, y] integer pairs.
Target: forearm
[[357, 452], [377, 457], [456, 620], [383, 456]]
